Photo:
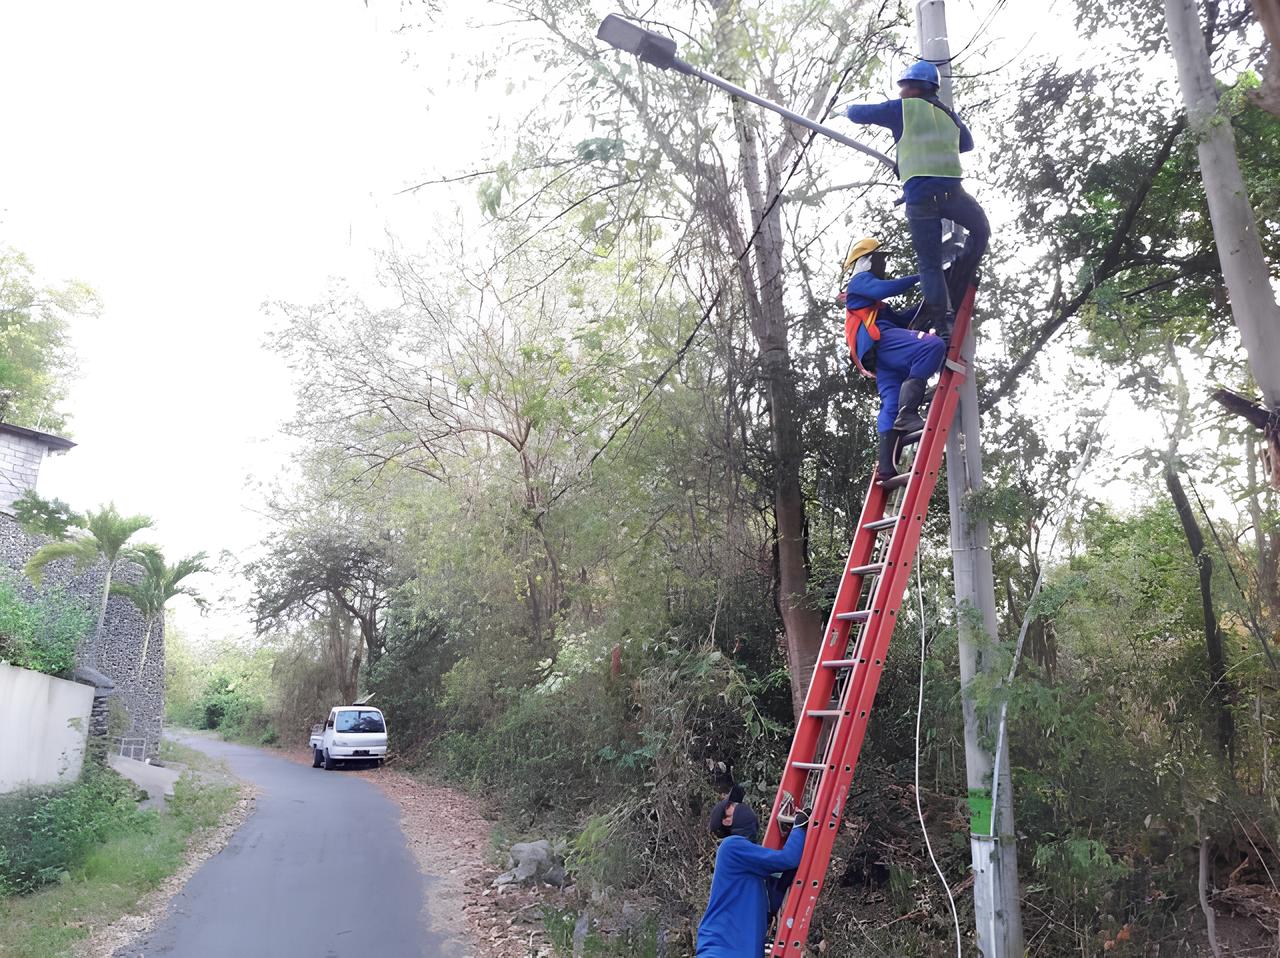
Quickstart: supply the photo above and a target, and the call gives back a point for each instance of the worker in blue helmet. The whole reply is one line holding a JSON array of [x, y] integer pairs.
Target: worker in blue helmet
[[930, 139], [884, 347], [743, 893]]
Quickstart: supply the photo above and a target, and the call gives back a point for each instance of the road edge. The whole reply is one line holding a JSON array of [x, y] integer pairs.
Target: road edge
[[105, 941]]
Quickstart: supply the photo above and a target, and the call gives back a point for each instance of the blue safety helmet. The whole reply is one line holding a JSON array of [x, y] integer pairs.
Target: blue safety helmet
[[922, 71]]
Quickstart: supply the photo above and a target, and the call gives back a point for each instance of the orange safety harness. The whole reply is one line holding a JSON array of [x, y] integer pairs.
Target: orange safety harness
[[863, 318]]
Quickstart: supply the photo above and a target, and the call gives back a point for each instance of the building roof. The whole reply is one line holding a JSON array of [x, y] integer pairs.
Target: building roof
[[47, 439]]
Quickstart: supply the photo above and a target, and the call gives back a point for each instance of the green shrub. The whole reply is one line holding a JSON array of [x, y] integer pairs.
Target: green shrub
[[1077, 870], [46, 832], [199, 805], [226, 706], [42, 634], [45, 517]]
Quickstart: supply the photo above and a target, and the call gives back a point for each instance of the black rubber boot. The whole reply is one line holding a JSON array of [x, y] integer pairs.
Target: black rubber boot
[[909, 397], [887, 469]]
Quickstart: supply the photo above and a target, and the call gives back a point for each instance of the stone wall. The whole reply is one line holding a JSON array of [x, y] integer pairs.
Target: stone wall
[[139, 693], [20, 458]]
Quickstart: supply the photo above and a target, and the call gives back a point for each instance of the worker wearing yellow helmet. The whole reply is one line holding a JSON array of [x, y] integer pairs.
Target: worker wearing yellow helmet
[[884, 347], [930, 138]]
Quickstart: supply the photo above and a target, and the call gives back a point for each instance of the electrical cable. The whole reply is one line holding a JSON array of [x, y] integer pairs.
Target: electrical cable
[[955, 914]]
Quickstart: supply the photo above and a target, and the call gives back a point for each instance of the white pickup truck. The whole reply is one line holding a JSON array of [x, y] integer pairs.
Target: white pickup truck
[[352, 733]]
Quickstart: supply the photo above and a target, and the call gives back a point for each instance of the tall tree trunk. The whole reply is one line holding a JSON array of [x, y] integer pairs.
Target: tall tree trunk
[[764, 292], [1235, 230], [344, 654], [1267, 96], [802, 623], [1222, 692], [369, 632]]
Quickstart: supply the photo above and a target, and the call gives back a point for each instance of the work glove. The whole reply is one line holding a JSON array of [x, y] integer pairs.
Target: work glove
[[802, 819]]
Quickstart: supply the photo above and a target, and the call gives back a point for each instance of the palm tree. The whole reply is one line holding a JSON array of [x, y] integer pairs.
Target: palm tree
[[108, 533], [159, 584]]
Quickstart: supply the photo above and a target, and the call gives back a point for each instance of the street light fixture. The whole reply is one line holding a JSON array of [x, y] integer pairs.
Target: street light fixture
[[659, 51], [650, 47]]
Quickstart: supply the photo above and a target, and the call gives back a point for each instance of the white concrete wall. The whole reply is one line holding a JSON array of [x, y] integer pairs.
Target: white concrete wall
[[44, 723]]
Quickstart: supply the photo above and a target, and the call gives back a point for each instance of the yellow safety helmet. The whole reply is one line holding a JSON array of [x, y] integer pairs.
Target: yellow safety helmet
[[858, 250]]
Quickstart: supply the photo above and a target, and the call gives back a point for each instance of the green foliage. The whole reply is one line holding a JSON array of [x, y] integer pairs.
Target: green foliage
[[82, 551], [44, 833], [133, 857], [302, 686], [407, 679], [41, 634], [227, 707], [530, 745], [159, 583], [1077, 870], [540, 505], [46, 517], [198, 804], [225, 688], [106, 538], [562, 924], [36, 359]]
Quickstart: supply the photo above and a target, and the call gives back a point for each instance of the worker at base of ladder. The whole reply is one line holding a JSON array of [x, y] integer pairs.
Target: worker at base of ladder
[[738, 910], [884, 347], [930, 138]]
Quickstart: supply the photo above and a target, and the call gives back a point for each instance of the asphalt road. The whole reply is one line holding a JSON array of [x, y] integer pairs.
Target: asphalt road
[[319, 870]]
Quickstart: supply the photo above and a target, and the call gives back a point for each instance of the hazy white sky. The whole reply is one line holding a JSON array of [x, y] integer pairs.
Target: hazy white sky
[[191, 162]]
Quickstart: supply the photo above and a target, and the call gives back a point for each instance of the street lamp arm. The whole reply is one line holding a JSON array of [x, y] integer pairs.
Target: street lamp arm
[[791, 115], [659, 51]]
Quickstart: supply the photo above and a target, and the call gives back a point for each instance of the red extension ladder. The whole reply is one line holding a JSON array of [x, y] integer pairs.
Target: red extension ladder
[[824, 752]]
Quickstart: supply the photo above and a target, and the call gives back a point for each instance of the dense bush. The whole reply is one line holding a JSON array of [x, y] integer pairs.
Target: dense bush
[[224, 688], [45, 832], [41, 634], [224, 706]]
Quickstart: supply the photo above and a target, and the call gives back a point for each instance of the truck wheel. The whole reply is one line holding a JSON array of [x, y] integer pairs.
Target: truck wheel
[[316, 758], [379, 763], [329, 763]]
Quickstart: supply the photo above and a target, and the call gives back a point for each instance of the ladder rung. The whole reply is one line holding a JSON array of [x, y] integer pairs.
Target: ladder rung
[[823, 713], [860, 616], [839, 663], [897, 482], [874, 568], [957, 366], [911, 438], [879, 524], [809, 766]]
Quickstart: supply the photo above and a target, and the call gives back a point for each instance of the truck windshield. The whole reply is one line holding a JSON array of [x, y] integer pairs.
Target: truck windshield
[[362, 720]]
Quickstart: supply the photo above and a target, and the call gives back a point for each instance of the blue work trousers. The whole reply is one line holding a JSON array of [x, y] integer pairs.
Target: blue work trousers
[[901, 355], [924, 218]]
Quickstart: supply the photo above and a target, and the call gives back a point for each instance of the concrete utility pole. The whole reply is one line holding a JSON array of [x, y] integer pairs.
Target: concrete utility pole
[[1235, 229], [997, 904]]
